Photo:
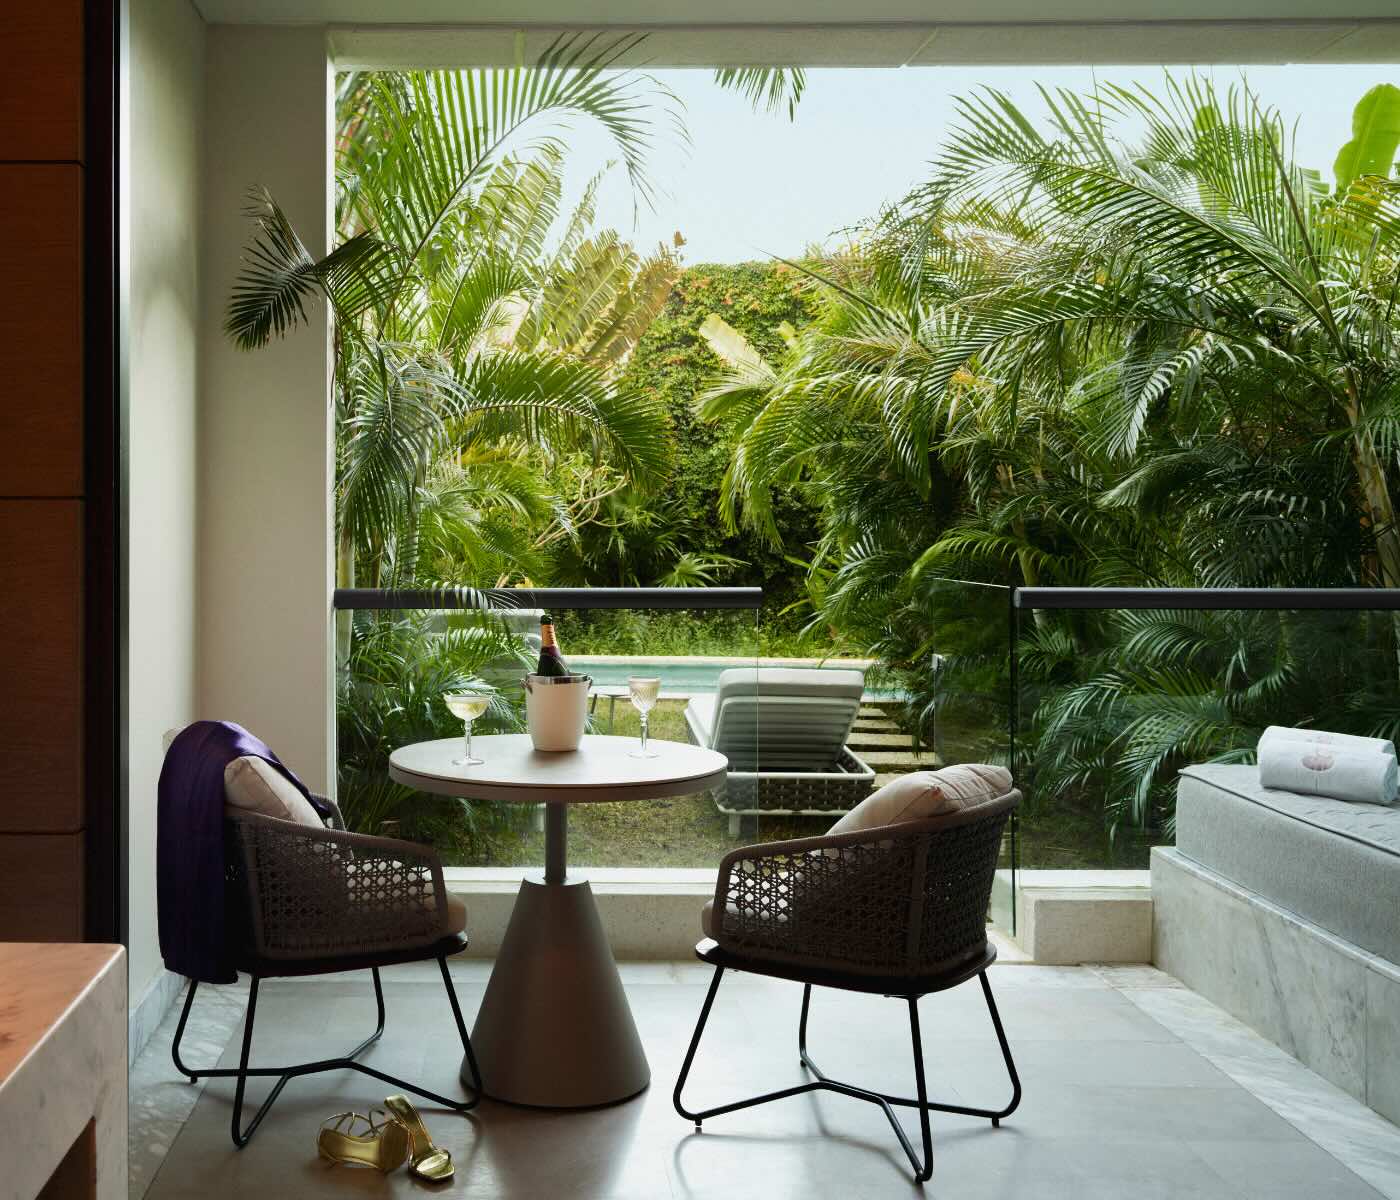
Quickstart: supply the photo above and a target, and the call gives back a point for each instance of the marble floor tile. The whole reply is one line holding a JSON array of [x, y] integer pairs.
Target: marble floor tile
[[1133, 1087], [1268, 1171], [160, 1098], [1136, 975], [1355, 1136]]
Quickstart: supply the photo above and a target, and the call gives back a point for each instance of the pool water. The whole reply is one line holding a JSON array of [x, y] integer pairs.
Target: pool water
[[683, 675]]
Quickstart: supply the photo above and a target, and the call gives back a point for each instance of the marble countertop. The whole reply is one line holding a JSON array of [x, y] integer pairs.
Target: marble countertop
[[62, 1054], [39, 983]]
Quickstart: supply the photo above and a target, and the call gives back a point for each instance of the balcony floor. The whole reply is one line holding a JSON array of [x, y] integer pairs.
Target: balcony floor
[[1134, 1086]]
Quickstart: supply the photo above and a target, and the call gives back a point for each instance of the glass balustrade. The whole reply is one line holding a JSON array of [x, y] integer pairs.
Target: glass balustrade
[[1118, 689]]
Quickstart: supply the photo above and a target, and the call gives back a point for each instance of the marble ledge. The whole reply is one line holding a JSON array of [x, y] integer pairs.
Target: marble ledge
[[63, 1026], [1326, 1002]]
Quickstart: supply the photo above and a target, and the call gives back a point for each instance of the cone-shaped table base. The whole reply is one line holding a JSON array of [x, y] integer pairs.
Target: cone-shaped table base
[[554, 1028]]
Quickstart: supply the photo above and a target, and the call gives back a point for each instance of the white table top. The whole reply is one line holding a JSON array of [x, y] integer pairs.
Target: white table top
[[600, 769]]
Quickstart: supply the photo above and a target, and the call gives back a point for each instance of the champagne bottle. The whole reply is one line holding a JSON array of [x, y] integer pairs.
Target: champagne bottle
[[551, 661]]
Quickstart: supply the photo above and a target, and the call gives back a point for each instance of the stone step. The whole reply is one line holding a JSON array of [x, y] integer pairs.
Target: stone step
[[869, 710], [875, 741], [906, 759], [875, 725]]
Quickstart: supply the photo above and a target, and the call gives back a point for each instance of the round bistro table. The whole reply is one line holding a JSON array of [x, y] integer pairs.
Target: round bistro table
[[554, 1029]]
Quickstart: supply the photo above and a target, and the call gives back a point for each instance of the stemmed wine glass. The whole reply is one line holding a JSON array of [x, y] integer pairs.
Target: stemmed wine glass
[[642, 691], [466, 707]]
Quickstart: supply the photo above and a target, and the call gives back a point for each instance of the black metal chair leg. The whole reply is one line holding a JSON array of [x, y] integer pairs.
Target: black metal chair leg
[[699, 1117], [694, 1043], [1005, 1052], [378, 1002], [924, 1171], [462, 1033], [923, 1168], [995, 1115], [243, 1072], [180, 1033], [241, 1137]]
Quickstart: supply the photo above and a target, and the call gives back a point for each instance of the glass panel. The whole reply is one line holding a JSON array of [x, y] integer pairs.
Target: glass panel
[[937, 693], [965, 700], [687, 650], [1113, 703], [394, 668]]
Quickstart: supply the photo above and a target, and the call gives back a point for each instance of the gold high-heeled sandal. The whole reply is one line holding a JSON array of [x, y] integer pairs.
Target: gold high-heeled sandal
[[384, 1144], [425, 1159]]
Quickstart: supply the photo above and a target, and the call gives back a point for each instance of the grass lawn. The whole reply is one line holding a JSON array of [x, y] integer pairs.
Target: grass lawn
[[688, 831]]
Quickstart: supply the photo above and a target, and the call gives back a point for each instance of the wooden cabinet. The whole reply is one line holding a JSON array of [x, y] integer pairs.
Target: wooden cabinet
[[60, 865], [41, 87], [41, 663], [41, 887], [41, 330]]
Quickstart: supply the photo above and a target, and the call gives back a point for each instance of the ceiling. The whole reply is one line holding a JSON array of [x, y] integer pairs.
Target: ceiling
[[985, 44], [429, 33]]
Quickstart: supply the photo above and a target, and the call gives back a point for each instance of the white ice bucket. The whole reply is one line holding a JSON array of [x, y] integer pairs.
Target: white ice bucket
[[556, 710]]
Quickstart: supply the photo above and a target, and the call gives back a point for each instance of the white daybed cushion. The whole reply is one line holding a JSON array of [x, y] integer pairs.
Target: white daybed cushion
[[700, 716], [771, 682], [789, 681], [778, 718]]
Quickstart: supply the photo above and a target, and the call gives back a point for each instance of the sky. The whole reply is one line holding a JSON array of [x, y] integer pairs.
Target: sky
[[754, 185]]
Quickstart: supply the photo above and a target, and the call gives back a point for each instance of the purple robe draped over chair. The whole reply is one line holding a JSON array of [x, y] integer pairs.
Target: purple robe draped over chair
[[190, 845]]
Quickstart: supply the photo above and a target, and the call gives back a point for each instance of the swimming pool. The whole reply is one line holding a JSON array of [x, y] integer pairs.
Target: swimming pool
[[688, 675]]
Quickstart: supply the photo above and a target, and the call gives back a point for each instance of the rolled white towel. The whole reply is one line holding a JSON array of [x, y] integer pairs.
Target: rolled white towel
[[1322, 737], [1316, 769]]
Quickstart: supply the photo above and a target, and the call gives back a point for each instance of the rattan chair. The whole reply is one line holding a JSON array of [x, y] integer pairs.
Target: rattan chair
[[309, 901], [899, 910]]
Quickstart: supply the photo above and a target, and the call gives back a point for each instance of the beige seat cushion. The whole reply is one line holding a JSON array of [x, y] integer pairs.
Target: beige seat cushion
[[456, 910], [456, 913], [254, 785], [707, 917], [927, 794]]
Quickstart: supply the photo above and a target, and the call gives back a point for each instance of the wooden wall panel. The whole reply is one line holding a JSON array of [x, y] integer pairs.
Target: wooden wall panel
[[41, 887], [41, 666], [41, 86], [55, 163], [41, 399]]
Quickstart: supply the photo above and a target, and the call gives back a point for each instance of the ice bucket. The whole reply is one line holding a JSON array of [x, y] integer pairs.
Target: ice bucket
[[556, 710]]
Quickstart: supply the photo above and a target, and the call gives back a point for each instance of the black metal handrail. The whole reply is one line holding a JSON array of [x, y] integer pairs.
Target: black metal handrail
[[562, 598], [1276, 599]]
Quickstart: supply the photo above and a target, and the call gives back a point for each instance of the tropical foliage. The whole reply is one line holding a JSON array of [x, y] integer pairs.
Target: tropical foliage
[[643, 536], [477, 326], [1128, 340], [1133, 343]]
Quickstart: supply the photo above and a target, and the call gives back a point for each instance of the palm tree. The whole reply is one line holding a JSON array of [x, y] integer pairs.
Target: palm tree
[[770, 88], [448, 191], [1231, 291], [1072, 358]]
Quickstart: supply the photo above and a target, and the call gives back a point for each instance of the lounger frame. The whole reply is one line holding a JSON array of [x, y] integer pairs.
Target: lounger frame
[[788, 793]]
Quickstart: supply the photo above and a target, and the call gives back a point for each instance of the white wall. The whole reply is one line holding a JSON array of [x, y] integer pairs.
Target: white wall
[[264, 439], [167, 100]]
